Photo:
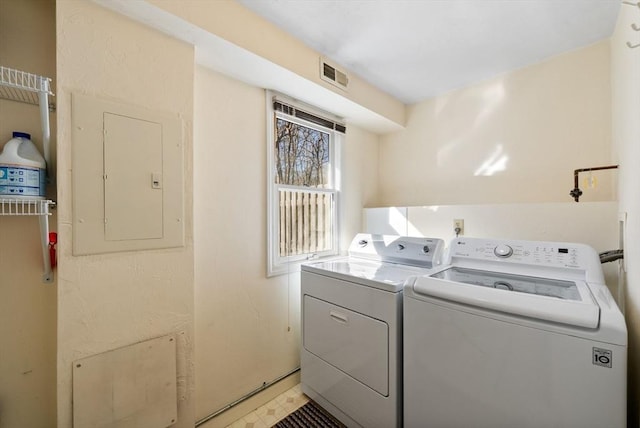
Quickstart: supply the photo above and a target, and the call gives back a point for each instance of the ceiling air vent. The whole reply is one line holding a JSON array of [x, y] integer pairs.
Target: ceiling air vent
[[330, 74]]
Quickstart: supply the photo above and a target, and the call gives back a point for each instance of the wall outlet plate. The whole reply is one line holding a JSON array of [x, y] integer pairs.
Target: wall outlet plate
[[458, 226]]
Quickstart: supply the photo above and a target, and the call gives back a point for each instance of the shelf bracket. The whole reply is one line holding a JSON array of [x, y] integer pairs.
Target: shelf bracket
[[41, 209], [47, 276]]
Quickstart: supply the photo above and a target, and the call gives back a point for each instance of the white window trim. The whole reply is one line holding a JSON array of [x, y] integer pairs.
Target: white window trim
[[277, 265]]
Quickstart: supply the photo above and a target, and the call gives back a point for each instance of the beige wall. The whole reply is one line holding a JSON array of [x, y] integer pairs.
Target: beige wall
[[247, 325], [237, 24], [625, 112], [27, 305], [359, 180], [529, 129], [241, 317], [113, 300]]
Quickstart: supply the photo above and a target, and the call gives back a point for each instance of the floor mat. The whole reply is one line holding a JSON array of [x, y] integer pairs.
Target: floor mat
[[311, 415]]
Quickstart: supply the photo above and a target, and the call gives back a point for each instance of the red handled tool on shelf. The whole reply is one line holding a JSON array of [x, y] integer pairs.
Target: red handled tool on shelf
[[53, 240]]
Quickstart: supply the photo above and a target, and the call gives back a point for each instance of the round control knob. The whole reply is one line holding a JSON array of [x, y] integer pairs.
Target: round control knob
[[425, 249], [400, 247], [503, 285], [503, 251]]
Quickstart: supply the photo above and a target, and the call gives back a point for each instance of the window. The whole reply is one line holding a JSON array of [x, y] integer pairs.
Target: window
[[303, 185]]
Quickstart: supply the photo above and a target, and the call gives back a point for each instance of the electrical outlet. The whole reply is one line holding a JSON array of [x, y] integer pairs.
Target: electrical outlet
[[458, 226]]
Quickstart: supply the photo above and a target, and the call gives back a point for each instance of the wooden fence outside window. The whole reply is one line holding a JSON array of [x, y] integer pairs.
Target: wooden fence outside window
[[306, 221]]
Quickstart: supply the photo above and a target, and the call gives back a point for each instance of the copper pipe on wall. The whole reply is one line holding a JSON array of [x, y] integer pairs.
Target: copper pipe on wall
[[576, 192]]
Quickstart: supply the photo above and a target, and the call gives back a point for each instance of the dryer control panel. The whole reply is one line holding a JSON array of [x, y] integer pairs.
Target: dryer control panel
[[407, 250]]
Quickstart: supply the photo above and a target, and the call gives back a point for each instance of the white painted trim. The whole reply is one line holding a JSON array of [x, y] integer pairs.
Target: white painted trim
[[277, 265]]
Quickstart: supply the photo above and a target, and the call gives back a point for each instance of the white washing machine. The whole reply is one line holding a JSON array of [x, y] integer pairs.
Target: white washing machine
[[351, 356], [514, 334]]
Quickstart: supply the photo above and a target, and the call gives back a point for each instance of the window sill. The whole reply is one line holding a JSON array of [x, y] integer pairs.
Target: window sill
[[294, 265]]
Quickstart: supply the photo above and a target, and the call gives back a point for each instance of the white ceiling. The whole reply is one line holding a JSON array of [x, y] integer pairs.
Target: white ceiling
[[416, 49]]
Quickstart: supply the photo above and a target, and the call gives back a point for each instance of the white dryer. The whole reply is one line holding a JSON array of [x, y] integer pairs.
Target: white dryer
[[514, 334], [351, 356]]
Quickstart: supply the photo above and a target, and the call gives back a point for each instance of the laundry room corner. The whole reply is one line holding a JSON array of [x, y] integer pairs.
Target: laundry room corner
[[385, 213], [625, 68]]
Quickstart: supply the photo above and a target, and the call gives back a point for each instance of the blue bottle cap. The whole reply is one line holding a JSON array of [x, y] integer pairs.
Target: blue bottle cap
[[17, 134]]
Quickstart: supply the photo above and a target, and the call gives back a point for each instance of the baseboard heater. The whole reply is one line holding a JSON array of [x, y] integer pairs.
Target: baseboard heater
[[264, 386]]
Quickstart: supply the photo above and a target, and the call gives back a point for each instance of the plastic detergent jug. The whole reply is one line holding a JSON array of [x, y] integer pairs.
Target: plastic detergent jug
[[22, 169]]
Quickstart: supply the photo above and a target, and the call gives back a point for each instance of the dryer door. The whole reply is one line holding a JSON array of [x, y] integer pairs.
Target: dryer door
[[353, 343]]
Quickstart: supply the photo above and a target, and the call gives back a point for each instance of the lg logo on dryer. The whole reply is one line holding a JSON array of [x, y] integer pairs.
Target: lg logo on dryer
[[602, 357]]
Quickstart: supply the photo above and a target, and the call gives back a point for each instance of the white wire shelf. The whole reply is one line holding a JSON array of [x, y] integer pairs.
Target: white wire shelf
[[16, 85], [20, 86], [25, 207]]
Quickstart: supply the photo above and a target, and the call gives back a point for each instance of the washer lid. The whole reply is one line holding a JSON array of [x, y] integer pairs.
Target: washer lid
[[562, 301], [384, 276]]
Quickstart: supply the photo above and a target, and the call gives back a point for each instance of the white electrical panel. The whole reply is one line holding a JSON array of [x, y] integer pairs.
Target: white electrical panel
[[127, 177], [132, 155]]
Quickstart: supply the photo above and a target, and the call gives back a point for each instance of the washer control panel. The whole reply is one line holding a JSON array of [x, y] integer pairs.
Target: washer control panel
[[523, 252]]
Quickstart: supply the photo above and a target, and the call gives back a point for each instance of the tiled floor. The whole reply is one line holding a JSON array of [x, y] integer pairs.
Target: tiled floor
[[275, 410]]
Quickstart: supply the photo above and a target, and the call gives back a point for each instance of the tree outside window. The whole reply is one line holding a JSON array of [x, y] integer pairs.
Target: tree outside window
[[301, 155]]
